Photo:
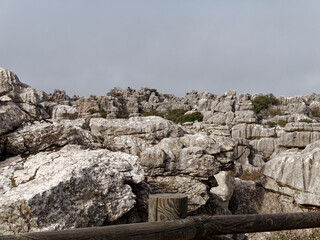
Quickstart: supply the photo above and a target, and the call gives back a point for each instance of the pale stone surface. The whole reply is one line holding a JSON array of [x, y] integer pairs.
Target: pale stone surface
[[66, 189], [63, 112], [42, 135], [244, 117], [266, 146], [195, 155], [11, 86], [250, 131], [298, 139], [85, 105], [148, 128], [295, 173], [302, 126], [221, 118], [225, 180]]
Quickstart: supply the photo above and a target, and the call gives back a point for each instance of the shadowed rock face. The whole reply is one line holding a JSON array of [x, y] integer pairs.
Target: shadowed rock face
[[77, 162]]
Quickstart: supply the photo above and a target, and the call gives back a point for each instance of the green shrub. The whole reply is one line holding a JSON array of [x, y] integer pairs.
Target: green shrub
[[192, 117], [103, 113], [282, 123], [115, 92], [92, 111], [263, 102], [274, 111], [305, 120], [271, 124], [153, 112], [174, 114], [151, 90]]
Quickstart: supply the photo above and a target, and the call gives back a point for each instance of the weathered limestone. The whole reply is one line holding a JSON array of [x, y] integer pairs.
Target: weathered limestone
[[250, 131], [192, 155], [63, 112], [20, 101], [148, 128], [295, 173], [266, 146], [298, 139], [11, 116], [225, 180], [11, 86], [66, 189], [39, 136]]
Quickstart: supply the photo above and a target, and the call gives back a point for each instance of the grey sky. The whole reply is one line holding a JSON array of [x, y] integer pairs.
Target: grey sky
[[89, 47]]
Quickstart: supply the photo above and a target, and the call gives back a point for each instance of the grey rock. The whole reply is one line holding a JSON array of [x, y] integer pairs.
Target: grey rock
[[66, 189], [266, 146], [11, 86], [251, 131], [295, 173], [43, 135], [298, 139], [63, 112], [11, 117], [148, 128]]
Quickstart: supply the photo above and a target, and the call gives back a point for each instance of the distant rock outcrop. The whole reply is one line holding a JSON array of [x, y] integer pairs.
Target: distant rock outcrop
[[74, 160]]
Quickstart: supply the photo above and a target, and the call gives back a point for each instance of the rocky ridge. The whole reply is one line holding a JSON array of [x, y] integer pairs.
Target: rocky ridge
[[62, 153]]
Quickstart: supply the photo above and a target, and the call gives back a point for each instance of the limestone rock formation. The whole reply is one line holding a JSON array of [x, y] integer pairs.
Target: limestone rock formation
[[40, 136], [295, 173], [60, 153], [68, 188]]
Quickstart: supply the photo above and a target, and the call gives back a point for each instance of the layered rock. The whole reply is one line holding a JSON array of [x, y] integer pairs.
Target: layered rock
[[231, 158], [68, 188], [295, 173], [40, 136]]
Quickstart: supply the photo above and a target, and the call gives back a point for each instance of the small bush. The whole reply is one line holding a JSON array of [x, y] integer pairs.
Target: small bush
[[153, 112], [103, 113], [305, 120], [151, 90], [315, 111], [251, 175], [274, 111], [192, 117], [92, 111], [281, 123], [115, 92], [174, 114], [271, 124], [263, 102]]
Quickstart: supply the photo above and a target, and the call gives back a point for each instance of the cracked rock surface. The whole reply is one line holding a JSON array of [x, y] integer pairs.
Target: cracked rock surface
[[72, 187]]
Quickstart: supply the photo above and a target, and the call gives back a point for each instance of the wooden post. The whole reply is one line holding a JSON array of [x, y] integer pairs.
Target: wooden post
[[166, 207]]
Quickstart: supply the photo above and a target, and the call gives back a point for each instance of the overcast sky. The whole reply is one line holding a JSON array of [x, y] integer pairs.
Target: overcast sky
[[90, 46]]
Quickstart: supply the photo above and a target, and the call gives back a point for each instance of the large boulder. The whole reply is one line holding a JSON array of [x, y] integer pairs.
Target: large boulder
[[26, 97], [40, 136], [11, 115], [134, 134], [11, 86], [66, 189], [295, 173], [63, 112], [252, 131]]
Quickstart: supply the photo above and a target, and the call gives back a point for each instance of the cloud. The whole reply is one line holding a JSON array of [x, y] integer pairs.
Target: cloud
[[89, 47]]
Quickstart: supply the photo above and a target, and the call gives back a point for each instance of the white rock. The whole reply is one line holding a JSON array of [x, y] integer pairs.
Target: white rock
[[296, 174], [66, 189]]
